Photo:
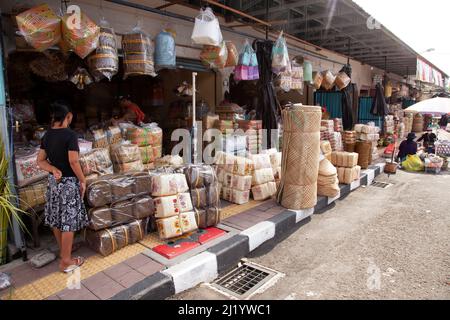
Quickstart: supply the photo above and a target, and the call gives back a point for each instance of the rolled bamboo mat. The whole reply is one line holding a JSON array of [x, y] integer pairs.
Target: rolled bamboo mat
[[300, 160]]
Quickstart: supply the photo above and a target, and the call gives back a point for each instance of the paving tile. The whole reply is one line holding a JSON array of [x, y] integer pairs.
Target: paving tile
[[249, 217], [107, 291], [261, 214], [118, 270], [77, 294], [243, 223], [96, 281], [137, 261], [150, 268], [232, 225], [275, 210], [53, 297], [48, 269], [130, 278]]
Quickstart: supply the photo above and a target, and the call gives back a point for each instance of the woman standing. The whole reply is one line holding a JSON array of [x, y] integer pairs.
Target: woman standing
[[64, 209]]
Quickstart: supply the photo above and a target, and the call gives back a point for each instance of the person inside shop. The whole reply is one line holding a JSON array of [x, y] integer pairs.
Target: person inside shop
[[65, 212], [129, 111], [407, 147], [429, 138]]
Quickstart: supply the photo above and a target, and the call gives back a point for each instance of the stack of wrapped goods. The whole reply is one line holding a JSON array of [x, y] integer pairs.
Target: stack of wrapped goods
[[174, 211], [418, 123], [389, 124], [367, 146], [338, 125], [329, 125], [349, 141], [235, 174], [427, 118], [205, 192], [263, 180], [327, 181], [253, 131], [31, 180], [228, 111], [338, 129], [149, 140], [96, 163], [347, 166], [275, 161], [126, 157], [119, 209]]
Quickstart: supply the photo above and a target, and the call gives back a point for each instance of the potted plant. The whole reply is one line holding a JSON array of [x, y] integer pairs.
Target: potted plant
[[8, 208]]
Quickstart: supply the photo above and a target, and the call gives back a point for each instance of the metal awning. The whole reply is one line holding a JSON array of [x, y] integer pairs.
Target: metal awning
[[338, 25], [341, 26]]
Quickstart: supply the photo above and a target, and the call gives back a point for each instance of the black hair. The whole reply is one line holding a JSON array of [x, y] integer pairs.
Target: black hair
[[59, 111]]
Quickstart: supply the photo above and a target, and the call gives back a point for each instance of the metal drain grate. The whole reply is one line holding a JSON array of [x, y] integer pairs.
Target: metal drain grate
[[382, 185], [245, 280]]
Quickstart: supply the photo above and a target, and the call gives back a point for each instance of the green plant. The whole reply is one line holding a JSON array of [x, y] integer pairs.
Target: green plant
[[8, 208]]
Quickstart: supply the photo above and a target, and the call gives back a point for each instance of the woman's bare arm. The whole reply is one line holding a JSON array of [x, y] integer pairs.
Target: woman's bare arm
[[43, 164], [75, 165]]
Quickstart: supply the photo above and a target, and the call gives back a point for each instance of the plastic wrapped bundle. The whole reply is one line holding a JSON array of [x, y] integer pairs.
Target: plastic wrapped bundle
[[198, 176], [125, 153], [199, 198], [364, 151], [240, 197], [99, 193], [317, 80], [122, 212], [137, 230], [149, 135], [104, 61], [165, 51], [166, 206], [164, 185], [40, 26], [264, 191], [96, 161], [138, 54], [100, 218], [169, 227], [233, 55], [207, 29], [106, 241], [143, 182], [262, 176], [185, 202], [122, 187], [114, 135], [188, 222], [82, 40], [213, 195], [143, 207], [260, 161], [241, 183], [206, 218]]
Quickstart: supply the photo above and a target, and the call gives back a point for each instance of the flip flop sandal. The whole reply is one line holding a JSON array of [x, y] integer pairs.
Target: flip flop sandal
[[71, 268]]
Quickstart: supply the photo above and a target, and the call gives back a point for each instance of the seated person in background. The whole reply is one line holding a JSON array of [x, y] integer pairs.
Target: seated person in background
[[407, 147], [429, 138]]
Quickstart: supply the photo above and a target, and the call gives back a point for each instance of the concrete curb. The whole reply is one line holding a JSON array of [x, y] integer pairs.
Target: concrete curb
[[223, 256]]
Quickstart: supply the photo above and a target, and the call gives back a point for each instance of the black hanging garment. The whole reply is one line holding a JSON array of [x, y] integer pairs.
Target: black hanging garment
[[267, 108], [379, 106], [347, 101]]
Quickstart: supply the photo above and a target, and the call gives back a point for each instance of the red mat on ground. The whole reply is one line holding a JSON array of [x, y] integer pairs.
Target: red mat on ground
[[182, 245]]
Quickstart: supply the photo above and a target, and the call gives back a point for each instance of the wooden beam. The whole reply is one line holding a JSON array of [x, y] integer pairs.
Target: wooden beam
[[238, 12], [171, 3]]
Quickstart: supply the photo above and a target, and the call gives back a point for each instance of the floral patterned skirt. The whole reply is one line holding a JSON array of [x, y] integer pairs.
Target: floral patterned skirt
[[64, 208]]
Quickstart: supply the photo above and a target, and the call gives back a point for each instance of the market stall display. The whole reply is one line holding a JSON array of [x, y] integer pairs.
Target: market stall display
[[300, 157]]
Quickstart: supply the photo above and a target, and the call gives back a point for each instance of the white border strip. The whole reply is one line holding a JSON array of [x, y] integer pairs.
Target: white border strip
[[259, 233]]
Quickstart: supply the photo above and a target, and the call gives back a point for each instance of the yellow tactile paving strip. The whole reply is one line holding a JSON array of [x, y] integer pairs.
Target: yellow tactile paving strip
[[56, 282]]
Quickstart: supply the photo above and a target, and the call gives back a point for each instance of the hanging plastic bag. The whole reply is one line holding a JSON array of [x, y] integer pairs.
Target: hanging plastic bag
[[165, 54], [253, 73], [413, 163], [214, 57], [207, 29], [138, 54], [342, 80], [284, 80], [307, 71], [40, 26], [233, 56], [245, 57], [241, 73], [82, 40], [104, 61], [247, 68], [280, 55], [296, 76]]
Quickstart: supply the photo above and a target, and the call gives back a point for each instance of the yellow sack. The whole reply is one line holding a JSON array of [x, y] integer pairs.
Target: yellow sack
[[413, 163]]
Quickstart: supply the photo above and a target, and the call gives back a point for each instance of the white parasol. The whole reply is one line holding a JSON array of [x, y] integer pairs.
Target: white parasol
[[432, 106]]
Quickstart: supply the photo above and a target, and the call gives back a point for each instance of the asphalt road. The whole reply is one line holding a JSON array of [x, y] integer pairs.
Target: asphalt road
[[376, 243]]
